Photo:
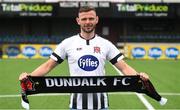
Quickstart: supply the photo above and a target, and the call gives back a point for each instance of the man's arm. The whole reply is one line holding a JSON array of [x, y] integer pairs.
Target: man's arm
[[42, 70], [128, 70]]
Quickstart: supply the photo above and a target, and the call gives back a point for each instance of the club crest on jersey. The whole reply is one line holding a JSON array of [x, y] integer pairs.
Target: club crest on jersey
[[97, 50], [88, 62]]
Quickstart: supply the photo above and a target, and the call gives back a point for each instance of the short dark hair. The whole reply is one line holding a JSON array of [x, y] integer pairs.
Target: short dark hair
[[86, 9]]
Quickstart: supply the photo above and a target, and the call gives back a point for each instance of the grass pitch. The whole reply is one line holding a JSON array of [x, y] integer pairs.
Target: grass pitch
[[164, 75]]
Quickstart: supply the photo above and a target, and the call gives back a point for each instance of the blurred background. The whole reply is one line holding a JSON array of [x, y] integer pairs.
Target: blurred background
[[147, 32], [132, 25]]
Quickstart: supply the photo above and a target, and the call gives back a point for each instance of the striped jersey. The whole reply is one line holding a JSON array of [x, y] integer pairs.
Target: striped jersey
[[87, 58]]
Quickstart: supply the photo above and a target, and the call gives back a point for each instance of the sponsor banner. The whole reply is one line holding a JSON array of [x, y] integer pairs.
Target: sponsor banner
[[104, 9], [153, 51], [27, 51], [11, 51], [81, 3], [27, 9], [70, 8], [118, 10], [36, 50], [144, 10]]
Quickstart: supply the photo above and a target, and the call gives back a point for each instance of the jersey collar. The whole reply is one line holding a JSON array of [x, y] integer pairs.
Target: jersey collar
[[88, 39]]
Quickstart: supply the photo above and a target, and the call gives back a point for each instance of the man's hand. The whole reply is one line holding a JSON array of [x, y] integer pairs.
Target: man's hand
[[23, 76], [143, 76]]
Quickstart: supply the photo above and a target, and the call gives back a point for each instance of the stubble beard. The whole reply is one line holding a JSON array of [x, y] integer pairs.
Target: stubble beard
[[88, 31]]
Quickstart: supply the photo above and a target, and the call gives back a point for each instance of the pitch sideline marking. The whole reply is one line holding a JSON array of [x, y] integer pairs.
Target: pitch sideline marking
[[66, 94], [140, 96]]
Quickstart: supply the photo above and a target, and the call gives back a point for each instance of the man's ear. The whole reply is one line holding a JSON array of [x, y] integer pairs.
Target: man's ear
[[77, 20], [97, 19]]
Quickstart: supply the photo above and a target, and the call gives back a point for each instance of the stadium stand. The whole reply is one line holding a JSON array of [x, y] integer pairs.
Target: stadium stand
[[151, 38], [121, 28], [14, 39]]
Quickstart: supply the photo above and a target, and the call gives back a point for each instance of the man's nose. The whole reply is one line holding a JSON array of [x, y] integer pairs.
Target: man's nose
[[88, 21]]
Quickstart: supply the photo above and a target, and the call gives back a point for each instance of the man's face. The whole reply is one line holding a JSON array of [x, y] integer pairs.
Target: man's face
[[87, 21]]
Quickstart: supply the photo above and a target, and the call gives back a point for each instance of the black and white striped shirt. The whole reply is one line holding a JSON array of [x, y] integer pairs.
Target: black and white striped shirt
[[87, 58], [89, 101]]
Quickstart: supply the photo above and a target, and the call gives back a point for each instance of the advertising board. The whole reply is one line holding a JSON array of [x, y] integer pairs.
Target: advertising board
[[27, 9], [153, 51], [32, 51], [104, 9]]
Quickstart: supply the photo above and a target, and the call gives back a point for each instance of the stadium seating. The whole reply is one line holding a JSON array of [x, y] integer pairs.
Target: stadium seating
[[14, 39], [151, 38]]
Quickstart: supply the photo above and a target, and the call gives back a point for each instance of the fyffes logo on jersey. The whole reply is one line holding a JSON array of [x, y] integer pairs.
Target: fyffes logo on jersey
[[88, 62], [138, 52], [172, 52], [29, 51], [45, 51], [155, 52]]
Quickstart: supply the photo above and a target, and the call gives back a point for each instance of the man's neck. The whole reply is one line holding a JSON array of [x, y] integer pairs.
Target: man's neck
[[87, 36]]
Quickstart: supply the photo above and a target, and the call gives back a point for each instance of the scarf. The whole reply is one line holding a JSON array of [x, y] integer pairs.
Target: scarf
[[89, 84]]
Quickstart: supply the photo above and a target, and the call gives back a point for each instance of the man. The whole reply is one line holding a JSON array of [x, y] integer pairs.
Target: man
[[86, 53]]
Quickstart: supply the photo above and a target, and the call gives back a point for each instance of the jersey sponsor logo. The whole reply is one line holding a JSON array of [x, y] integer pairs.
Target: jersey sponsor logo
[[29, 51], [172, 52], [138, 52], [88, 62], [45, 51], [155, 52]]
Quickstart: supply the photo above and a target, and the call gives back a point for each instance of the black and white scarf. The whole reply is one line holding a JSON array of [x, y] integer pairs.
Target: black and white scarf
[[90, 84]]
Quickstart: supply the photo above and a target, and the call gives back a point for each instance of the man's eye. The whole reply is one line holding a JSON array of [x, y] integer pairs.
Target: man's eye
[[91, 19], [84, 19]]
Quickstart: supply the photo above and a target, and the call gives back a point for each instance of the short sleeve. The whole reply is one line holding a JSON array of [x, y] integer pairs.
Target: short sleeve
[[114, 54], [59, 53]]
